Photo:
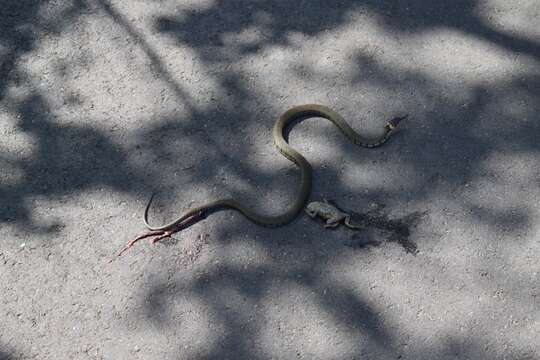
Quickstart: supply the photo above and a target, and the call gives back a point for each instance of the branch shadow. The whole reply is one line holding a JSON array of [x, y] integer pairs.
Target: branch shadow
[[453, 133], [68, 158], [460, 142]]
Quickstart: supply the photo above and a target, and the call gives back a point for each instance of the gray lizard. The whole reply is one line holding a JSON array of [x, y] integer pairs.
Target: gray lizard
[[330, 213]]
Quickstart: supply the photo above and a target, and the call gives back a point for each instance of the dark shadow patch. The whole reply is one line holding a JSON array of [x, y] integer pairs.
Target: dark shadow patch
[[9, 354], [68, 158], [378, 227]]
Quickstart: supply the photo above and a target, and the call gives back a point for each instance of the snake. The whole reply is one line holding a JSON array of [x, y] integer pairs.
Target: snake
[[282, 123]]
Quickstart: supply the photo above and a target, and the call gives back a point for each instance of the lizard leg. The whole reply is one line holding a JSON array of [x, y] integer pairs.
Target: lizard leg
[[332, 222]]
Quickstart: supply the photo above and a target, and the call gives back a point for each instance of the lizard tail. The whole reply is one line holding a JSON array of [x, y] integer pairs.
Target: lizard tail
[[348, 224]]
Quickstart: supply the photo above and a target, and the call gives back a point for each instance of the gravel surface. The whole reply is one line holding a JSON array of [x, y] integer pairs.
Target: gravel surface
[[104, 101]]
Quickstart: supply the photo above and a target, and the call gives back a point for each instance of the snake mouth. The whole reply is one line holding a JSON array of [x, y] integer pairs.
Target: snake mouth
[[392, 124]]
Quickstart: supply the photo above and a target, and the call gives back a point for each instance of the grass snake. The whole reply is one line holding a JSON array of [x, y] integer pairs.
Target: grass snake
[[285, 120]]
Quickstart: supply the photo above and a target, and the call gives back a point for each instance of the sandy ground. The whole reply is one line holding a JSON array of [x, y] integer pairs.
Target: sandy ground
[[103, 102]]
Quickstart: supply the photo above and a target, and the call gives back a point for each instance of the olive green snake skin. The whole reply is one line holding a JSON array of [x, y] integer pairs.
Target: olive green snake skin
[[295, 113]]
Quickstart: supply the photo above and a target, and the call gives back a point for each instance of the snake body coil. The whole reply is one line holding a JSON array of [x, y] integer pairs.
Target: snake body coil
[[295, 113]]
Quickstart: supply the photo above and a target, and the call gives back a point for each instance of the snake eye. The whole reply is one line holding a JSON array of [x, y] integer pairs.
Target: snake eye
[[392, 124]]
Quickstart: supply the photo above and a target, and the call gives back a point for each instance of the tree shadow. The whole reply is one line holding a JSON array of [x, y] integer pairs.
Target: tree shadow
[[23, 26], [6, 356], [9, 353], [247, 300], [446, 151], [68, 158], [447, 128], [420, 15], [380, 228], [204, 29]]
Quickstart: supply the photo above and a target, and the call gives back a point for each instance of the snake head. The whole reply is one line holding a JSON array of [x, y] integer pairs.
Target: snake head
[[392, 124]]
